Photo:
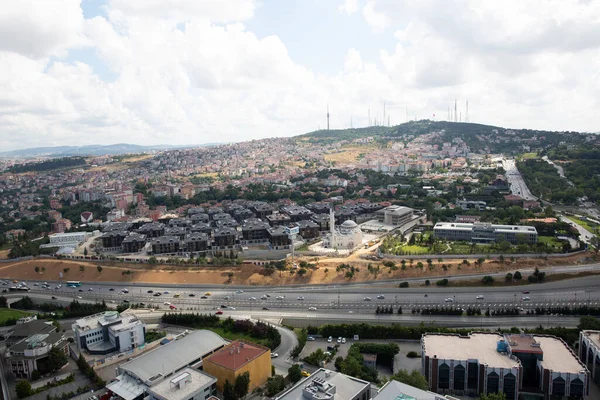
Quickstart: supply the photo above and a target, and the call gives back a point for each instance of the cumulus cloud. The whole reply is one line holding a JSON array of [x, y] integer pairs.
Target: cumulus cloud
[[192, 72]]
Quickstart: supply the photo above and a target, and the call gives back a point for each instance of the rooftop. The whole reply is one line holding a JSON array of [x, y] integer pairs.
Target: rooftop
[[557, 356], [97, 320], [31, 328], [168, 358], [394, 390], [183, 385], [236, 355], [323, 382], [523, 344], [477, 346], [594, 337]]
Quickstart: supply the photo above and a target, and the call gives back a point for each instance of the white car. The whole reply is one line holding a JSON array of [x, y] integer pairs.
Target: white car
[[252, 298], [36, 284], [263, 297], [479, 297], [226, 298], [526, 298], [380, 297], [339, 340], [239, 291], [90, 289], [280, 297], [329, 339], [79, 297], [300, 298], [310, 338], [312, 308], [449, 300], [343, 340], [166, 303], [274, 355], [231, 308]]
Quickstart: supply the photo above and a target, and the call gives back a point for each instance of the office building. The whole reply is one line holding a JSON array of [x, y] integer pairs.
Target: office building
[[108, 332], [589, 352], [187, 384], [325, 384], [485, 232], [137, 378], [395, 215], [237, 358]]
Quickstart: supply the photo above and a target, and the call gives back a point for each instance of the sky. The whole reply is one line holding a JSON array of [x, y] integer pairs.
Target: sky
[[78, 72]]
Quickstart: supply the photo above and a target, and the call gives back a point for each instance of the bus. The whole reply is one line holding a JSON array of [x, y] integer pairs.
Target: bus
[[19, 289], [73, 283]]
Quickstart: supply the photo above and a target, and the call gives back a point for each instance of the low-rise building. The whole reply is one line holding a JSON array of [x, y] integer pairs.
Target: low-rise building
[[237, 358], [395, 215], [187, 384], [485, 232], [324, 384], [134, 243], [589, 352], [197, 243], [108, 332], [394, 390], [165, 245]]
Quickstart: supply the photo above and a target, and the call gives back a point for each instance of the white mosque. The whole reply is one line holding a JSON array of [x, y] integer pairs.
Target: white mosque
[[346, 237]]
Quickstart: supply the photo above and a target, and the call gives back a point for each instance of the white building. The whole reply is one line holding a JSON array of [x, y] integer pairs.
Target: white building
[[108, 332], [68, 238], [187, 384], [324, 384], [589, 352], [346, 237], [395, 215], [485, 232]]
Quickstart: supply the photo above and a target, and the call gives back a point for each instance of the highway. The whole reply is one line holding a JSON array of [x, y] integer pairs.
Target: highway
[[517, 184], [584, 235], [331, 300]]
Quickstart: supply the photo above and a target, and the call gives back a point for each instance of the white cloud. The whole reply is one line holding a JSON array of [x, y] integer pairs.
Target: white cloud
[[40, 28], [349, 6], [191, 72]]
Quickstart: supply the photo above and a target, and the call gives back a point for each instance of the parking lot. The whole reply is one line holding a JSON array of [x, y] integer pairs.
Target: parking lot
[[400, 361]]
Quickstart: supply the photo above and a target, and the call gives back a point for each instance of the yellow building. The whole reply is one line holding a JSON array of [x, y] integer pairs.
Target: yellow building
[[237, 358]]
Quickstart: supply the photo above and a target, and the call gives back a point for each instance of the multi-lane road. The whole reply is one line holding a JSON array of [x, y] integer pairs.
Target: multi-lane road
[[517, 184], [345, 302]]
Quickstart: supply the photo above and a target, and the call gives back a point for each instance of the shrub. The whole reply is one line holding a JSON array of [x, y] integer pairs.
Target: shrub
[[486, 280], [413, 354], [403, 285]]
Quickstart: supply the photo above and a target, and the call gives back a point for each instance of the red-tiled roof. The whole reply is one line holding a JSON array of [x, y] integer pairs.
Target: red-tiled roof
[[236, 355]]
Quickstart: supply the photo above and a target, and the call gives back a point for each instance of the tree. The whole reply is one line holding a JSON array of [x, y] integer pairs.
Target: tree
[[301, 272], [518, 276], [43, 269], [56, 359], [99, 268], [242, 384], [85, 251], [152, 260], [229, 391], [501, 259], [3, 302], [23, 389], [508, 277], [414, 378], [295, 373], [66, 270], [37, 270], [81, 268], [493, 396], [275, 384], [486, 280]]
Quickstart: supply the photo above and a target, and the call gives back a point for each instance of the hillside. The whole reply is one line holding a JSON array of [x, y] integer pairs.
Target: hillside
[[479, 137]]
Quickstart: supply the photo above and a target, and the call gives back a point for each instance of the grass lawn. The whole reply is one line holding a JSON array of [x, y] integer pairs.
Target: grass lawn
[[234, 336], [550, 240], [528, 156], [7, 313], [414, 249]]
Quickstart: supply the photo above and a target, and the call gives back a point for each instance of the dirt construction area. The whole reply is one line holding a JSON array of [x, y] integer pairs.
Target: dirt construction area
[[325, 272]]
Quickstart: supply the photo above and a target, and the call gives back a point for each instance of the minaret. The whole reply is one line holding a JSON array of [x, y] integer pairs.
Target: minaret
[[327, 116], [332, 224], [455, 113]]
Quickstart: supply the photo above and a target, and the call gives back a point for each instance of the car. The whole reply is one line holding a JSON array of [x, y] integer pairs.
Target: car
[[350, 312], [329, 339], [280, 297], [274, 355], [53, 297], [231, 308], [172, 307], [150, 291], [36, 284], [267, 295], [203, 297], [252, 298], [326, 353], [343, 340], [224, 306], [126, 301], [449, 300], [166, 303], [310, 338], [263, 297], [305, 373], [176, 295], [367, 299], [239, 291], [479, 297], [157, 294], [526, 298], [79, 297], [525, 291], [112, 289], [111, 301], [124, 290], [219, 312], [265, 308], [300, 298], [380, 297], [81, 290], [226, 297], [166, 292], [339, 340], [426, 295], [191, 295], [312, 308], [90, 289]]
